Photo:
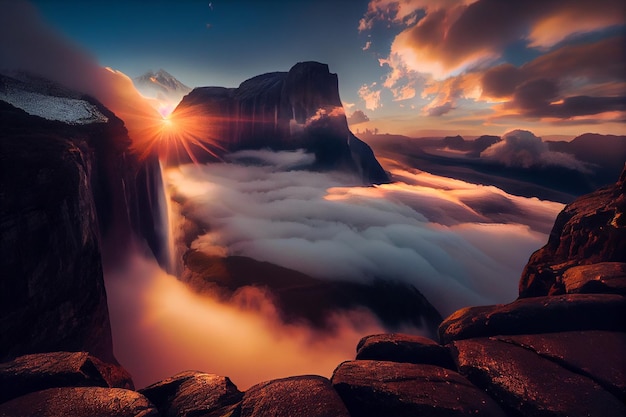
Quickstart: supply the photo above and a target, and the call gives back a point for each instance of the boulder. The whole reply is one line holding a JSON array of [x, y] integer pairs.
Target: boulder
[[35, 372], [537, 315], [379, 388], [598, 355], [397, 347], [193, 393], [308, 395], [80, 402], [603, 277], [528, 384]]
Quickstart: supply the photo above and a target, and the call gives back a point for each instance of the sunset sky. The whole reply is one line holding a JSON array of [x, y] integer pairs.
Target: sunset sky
[[415, 67]]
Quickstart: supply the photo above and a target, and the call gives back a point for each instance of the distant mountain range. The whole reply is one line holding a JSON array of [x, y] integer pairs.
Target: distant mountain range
[[161, 85], [603, 157]]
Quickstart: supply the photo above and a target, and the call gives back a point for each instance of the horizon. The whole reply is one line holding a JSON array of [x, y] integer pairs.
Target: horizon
[[552, 68]]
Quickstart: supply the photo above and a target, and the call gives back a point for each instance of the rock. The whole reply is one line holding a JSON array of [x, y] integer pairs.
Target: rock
[[537, 315], [378, 388], [80, 402], [398, 347], [68, 192], [603, 278], [48, 300], [588, 231], [35, 372], [308, 395], [596, 354], [284, 111], [527, 384], [301, 297], [193, 393]]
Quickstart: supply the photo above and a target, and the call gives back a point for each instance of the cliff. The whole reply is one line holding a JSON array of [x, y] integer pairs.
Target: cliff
[[71, 195], [586, 250], [284, 110]]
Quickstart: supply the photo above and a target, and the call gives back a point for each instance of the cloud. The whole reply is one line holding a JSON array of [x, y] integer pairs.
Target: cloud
[[424, 231], [369, 96], [450, 37], [521, 148], [440, 110], [358, 117], [367, 45], [451, 50]]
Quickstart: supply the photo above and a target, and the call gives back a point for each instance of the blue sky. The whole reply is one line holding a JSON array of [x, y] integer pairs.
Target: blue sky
[[222, 44], [413, 66]]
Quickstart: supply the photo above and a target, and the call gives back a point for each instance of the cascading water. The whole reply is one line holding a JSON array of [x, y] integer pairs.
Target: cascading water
[[170, 258]]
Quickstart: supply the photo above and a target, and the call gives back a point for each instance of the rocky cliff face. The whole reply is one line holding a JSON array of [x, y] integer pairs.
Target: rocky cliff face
[[69, 194], [285, 110], [586, 250]]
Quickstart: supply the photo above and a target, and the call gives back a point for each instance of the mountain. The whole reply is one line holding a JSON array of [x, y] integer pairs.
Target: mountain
[[601, 156], [283, 111], [604, 154], [161, 85]]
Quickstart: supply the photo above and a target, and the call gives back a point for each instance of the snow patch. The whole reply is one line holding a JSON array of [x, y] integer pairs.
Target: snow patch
[[63, 109]]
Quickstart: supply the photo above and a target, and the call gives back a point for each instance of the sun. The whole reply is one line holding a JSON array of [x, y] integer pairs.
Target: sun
[[180, 137]]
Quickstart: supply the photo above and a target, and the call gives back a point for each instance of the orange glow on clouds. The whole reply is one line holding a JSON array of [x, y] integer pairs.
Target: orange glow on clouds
[[162, 327]]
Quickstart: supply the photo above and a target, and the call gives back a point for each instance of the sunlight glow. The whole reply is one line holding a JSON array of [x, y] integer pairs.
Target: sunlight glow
[[182, 136]]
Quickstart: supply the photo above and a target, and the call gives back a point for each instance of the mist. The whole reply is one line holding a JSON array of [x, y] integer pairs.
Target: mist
[[161, 327]]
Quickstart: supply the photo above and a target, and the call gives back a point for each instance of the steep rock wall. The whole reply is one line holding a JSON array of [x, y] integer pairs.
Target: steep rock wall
[[285, 110]]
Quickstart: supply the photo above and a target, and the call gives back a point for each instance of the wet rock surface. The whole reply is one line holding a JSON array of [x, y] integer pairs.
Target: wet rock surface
[[193, 393], [579, 353], [397, 347], [307, 395], [80, 402], [375, 388], [35, 372], [603, 277], [528, 384], [537, 315]]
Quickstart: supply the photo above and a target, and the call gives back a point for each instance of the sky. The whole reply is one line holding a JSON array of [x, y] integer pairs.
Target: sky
[[414, 67]]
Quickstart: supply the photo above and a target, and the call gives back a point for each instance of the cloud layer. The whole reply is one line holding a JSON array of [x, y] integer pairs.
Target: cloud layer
[[429, 231]]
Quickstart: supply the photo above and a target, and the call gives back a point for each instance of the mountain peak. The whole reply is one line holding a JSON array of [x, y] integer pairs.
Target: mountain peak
[[160, 84]]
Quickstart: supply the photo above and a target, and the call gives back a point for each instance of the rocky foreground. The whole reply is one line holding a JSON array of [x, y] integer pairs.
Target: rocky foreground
[[557, 353]]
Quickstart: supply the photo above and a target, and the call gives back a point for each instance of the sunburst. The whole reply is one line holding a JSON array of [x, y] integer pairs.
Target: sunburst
[[183, 136]]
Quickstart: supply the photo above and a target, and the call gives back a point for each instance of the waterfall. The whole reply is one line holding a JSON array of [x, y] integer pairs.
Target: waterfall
[[167, 230]]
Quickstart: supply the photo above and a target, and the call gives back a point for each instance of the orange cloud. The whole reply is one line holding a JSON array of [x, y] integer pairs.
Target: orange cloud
[[369, 96], [446, 51], [578, 17]]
